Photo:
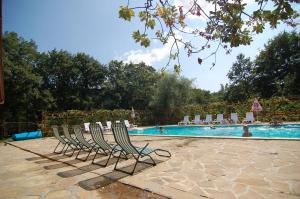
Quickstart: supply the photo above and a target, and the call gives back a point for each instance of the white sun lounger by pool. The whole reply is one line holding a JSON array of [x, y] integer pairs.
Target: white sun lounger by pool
[[249, 118], [86, 126], [220, 119], [197, 120], [185, 121], [100, 124], [234, 117], [108, 126], [128, 125], [208, 119]]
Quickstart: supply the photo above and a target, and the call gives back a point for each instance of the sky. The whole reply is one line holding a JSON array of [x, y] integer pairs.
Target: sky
[[93, 27]]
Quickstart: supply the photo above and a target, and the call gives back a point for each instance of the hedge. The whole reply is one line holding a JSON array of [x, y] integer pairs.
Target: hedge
[[279, 108]]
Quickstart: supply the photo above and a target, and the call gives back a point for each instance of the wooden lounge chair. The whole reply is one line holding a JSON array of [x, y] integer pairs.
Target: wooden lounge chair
[[122, 139], [102, 145]]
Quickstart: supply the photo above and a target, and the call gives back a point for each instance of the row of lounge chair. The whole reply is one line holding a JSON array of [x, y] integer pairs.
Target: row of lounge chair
[[219, 120], [108, 125], [99, 145]]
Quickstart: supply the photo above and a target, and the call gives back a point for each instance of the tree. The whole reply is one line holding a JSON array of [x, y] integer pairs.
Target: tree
[[172, 92], [75, 81], [25, 99], [130, 85], [200, 96], [241, 79], [277, 70], [228, 23]]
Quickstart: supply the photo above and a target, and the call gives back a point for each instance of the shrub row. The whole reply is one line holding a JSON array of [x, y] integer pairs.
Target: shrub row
[[282, 109]]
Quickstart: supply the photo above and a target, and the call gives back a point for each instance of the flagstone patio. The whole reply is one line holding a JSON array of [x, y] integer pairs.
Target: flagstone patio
[[198, 168]]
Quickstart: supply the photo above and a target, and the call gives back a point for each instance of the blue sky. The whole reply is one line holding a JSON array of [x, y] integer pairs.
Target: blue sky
[[93, 27]]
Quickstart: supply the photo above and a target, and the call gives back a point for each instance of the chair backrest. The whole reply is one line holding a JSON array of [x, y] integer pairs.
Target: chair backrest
[[117, 121], [249, 116], [100, 124], [97, 136], [127, 124], [79, 135], [234, 117], [108, 124], [208, 118], [56, 134], [220, 117], [67, 134], [197, 118], [122, 138], [86, 126], [186, 119]]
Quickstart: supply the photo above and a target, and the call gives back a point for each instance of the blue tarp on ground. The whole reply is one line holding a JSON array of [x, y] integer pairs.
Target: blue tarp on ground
[[27, 135]]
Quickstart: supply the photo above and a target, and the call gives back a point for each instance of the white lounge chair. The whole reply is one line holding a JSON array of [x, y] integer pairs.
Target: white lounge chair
[[108, 126], [185, 121], [208, 119], [86, 126], [220, 119], [197, 120], [249, 118], [100, 124], [234, 117], [128, 125]]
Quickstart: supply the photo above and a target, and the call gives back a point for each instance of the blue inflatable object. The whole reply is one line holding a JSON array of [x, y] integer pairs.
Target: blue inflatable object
[[27, 135]]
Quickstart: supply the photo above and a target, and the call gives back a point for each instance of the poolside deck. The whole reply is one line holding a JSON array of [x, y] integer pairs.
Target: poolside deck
[[198, 168]]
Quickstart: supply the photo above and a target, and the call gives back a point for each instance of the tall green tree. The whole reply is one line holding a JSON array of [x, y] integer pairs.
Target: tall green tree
[[25, 99], [277, 70], [172, 92], [75, 81], [200, 96], [241, 79], [130, 85]]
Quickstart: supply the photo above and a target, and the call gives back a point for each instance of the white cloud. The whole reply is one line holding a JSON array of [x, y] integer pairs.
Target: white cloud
[[150, 56]]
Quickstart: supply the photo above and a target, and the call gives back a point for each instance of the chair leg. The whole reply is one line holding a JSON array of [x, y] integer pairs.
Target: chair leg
[[70, 155], [66, 149], [60, 150], [103, 165], [154, 163], [129, 173], [85, 159], [80, 149]]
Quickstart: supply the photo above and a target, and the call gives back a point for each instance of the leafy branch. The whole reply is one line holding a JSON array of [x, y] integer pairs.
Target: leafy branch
[[227, 23]]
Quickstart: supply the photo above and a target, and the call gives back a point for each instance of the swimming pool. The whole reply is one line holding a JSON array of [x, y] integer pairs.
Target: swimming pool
[[264, 131]]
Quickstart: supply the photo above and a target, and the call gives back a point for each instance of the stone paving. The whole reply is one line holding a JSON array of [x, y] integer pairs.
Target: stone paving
[[198, 168]]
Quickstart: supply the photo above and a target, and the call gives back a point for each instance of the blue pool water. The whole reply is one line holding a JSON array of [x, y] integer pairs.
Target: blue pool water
[[282, 131]]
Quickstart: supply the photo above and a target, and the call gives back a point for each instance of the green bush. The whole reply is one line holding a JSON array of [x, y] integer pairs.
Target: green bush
[[280, 108]]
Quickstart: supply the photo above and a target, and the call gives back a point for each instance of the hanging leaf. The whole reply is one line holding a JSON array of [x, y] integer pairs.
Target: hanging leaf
[[199, 61]]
